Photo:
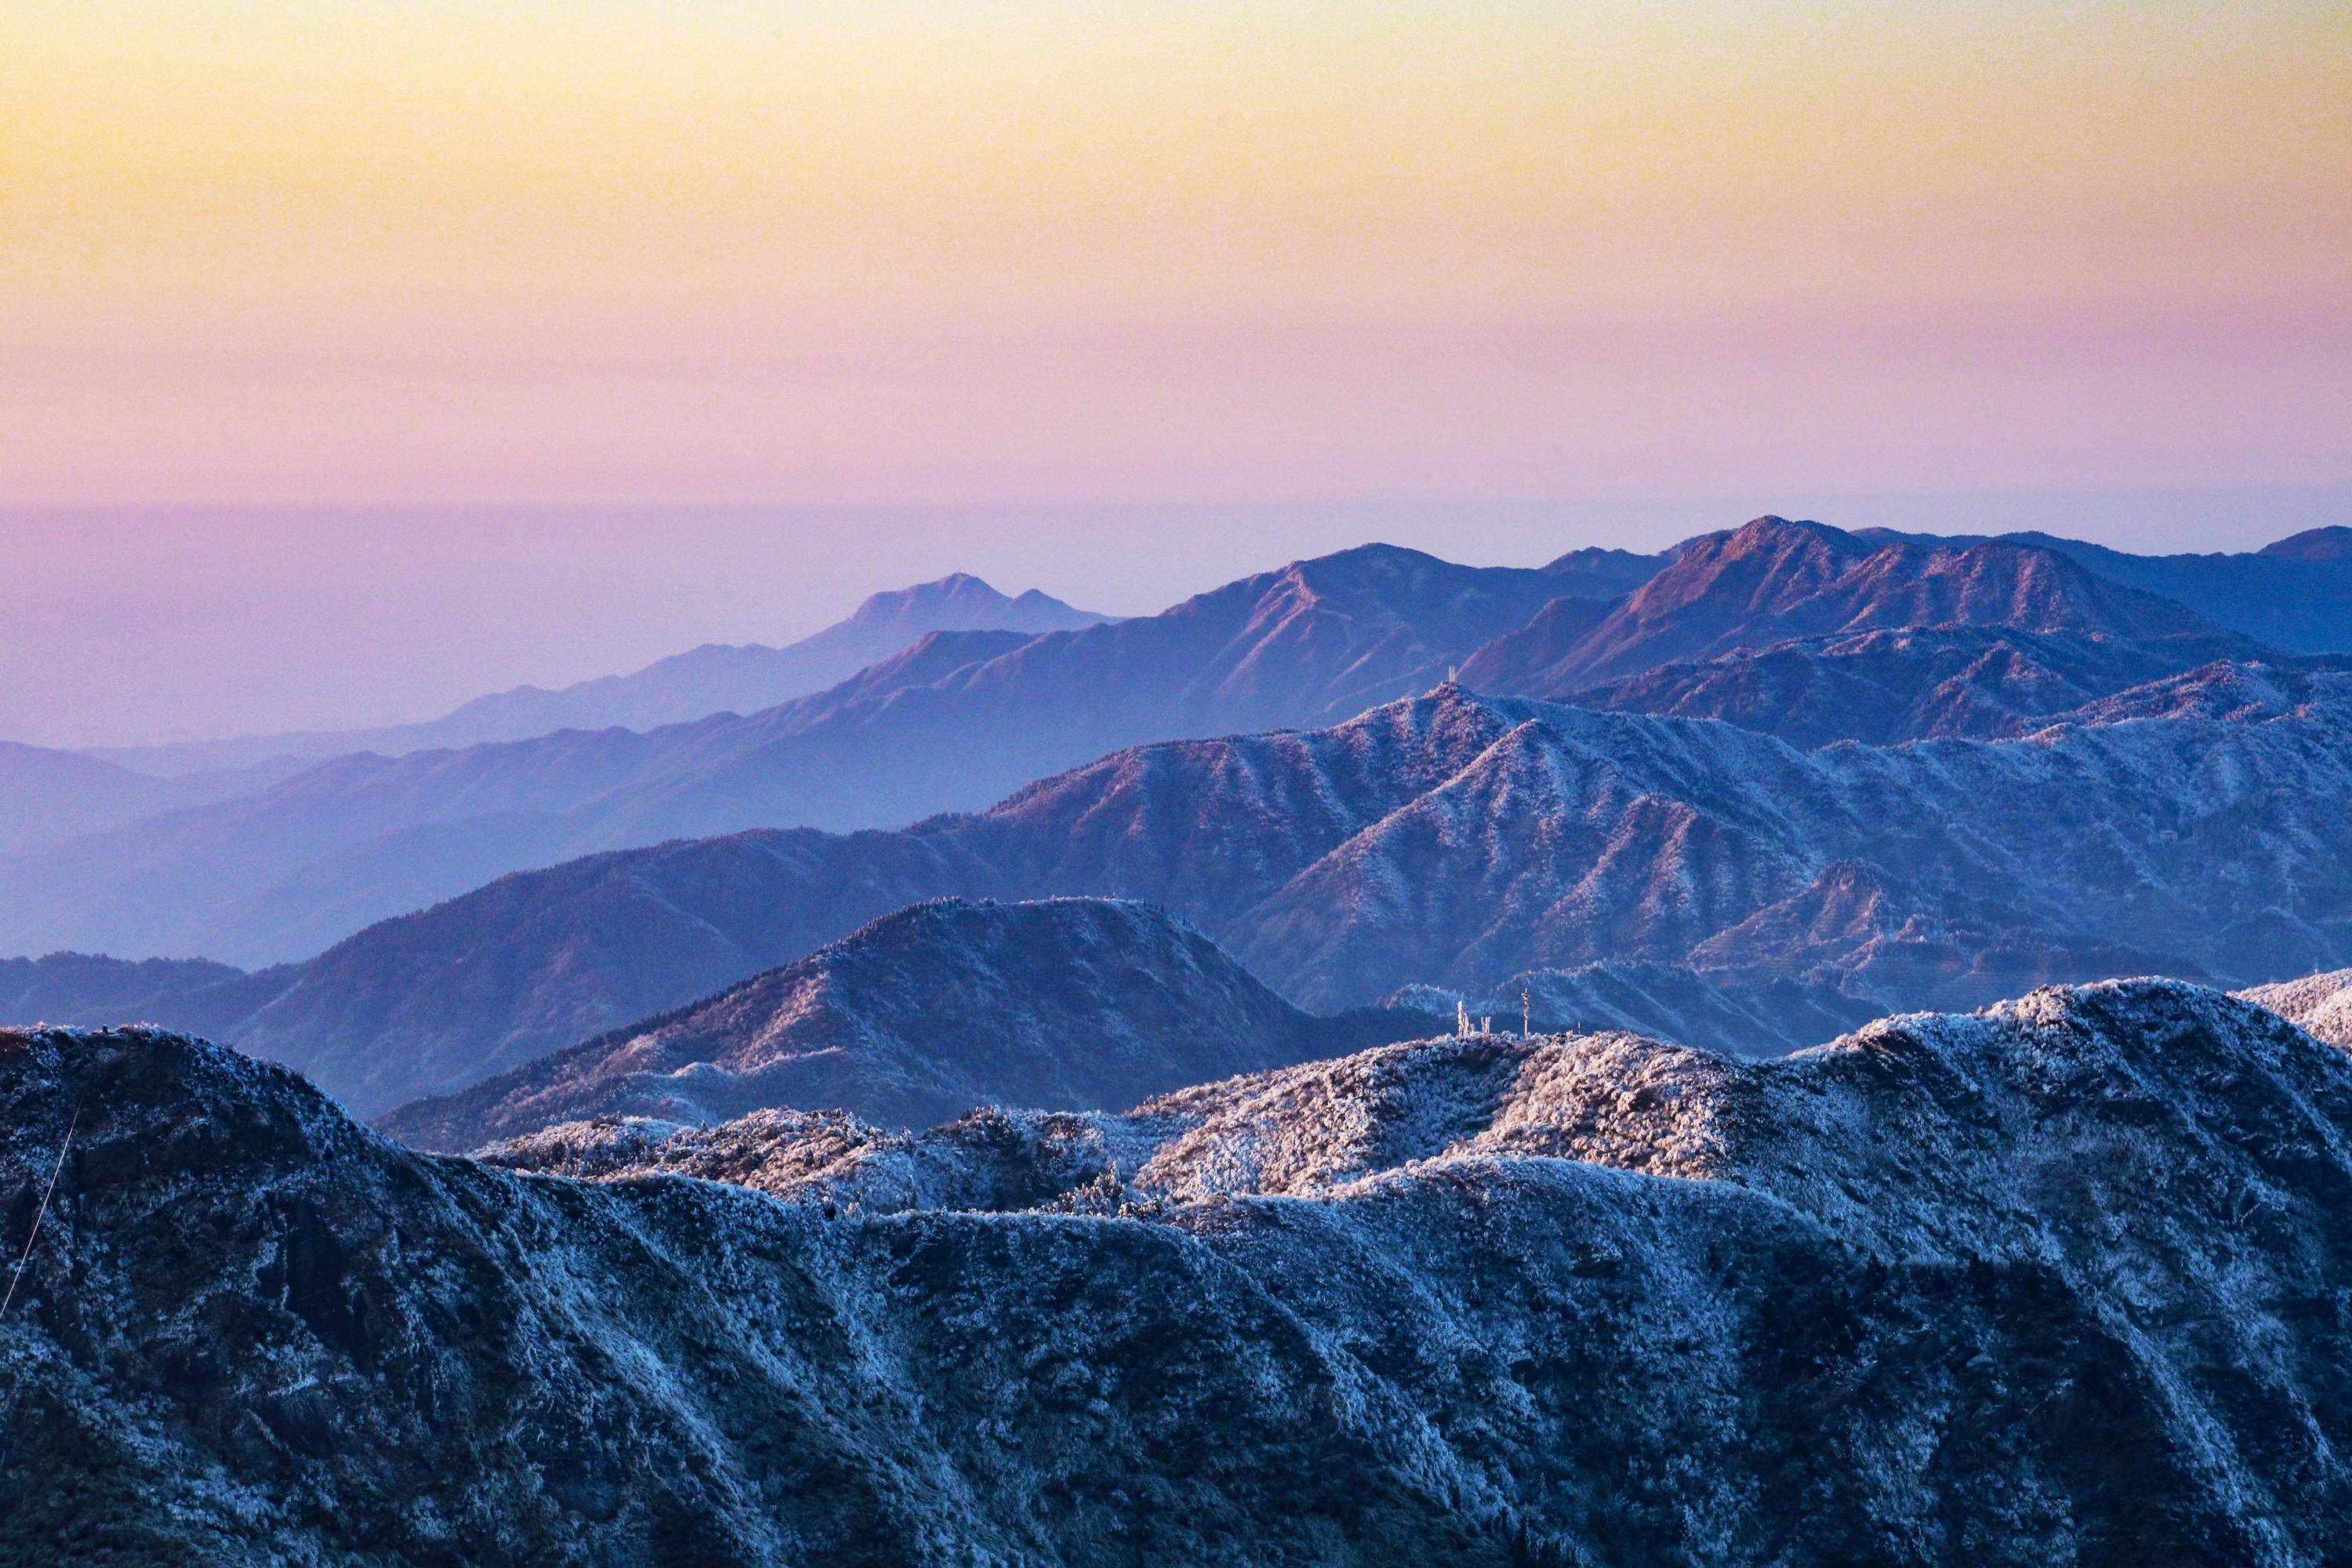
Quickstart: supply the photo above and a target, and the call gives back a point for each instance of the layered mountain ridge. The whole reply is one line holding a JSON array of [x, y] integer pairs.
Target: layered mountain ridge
[[2291, 593], [1775, 616], [716, 678], [48, 795], [1923, 683], [952, 724], [2059, 1282], [1452, 840], [1769, 626]]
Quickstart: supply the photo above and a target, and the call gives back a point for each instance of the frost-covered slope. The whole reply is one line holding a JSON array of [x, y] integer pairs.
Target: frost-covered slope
[[2240, 693], [2062, 1283], [1067, 1004], [1944, 870], [1742, 1015], [2321, 1004]]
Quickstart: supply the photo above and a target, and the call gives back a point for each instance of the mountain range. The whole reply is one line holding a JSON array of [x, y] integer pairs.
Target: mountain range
[[950, 723], [717, 678], [1773, 581], [1449, 839], [2059, 1282], [2291, 592], [1383, 1062], [1818, 635], [48, 795], [1987, 637], [1065, 1004]]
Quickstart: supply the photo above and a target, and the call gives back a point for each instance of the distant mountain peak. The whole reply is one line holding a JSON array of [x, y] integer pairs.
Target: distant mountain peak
[[1061, 1004], [1772, 581], [961, 590], [2330, 543]]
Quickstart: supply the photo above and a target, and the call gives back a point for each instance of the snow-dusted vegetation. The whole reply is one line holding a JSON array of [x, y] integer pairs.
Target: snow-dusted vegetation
[[2059, 1282]]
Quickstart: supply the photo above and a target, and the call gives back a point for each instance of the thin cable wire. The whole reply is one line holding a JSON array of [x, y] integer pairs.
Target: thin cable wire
[[42, 1213]]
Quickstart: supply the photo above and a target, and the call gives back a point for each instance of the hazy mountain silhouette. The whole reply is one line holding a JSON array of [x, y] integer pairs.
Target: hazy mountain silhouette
[[952, 724], [48, 795], [717, 678]]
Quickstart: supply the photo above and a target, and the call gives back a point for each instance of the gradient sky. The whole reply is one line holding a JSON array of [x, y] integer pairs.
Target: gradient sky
[[1475, 258], [592, 251]]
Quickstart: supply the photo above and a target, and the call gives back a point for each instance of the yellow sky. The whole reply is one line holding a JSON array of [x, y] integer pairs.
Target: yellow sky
[[344, 249]]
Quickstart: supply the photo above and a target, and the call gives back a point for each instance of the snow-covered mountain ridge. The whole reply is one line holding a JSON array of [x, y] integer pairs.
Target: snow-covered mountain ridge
[[2063, 1282], [2320, 1003]]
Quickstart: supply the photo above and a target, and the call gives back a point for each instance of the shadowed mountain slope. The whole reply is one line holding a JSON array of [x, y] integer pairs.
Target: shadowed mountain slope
[[2295, 594], [1886, 686], [1070, 1003], [1593, 573], [2057, 1284], [952, 724]]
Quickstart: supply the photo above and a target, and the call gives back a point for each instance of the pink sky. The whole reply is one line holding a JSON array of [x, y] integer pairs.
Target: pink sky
[[808, 253], [1490, 276], [139, 626]]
